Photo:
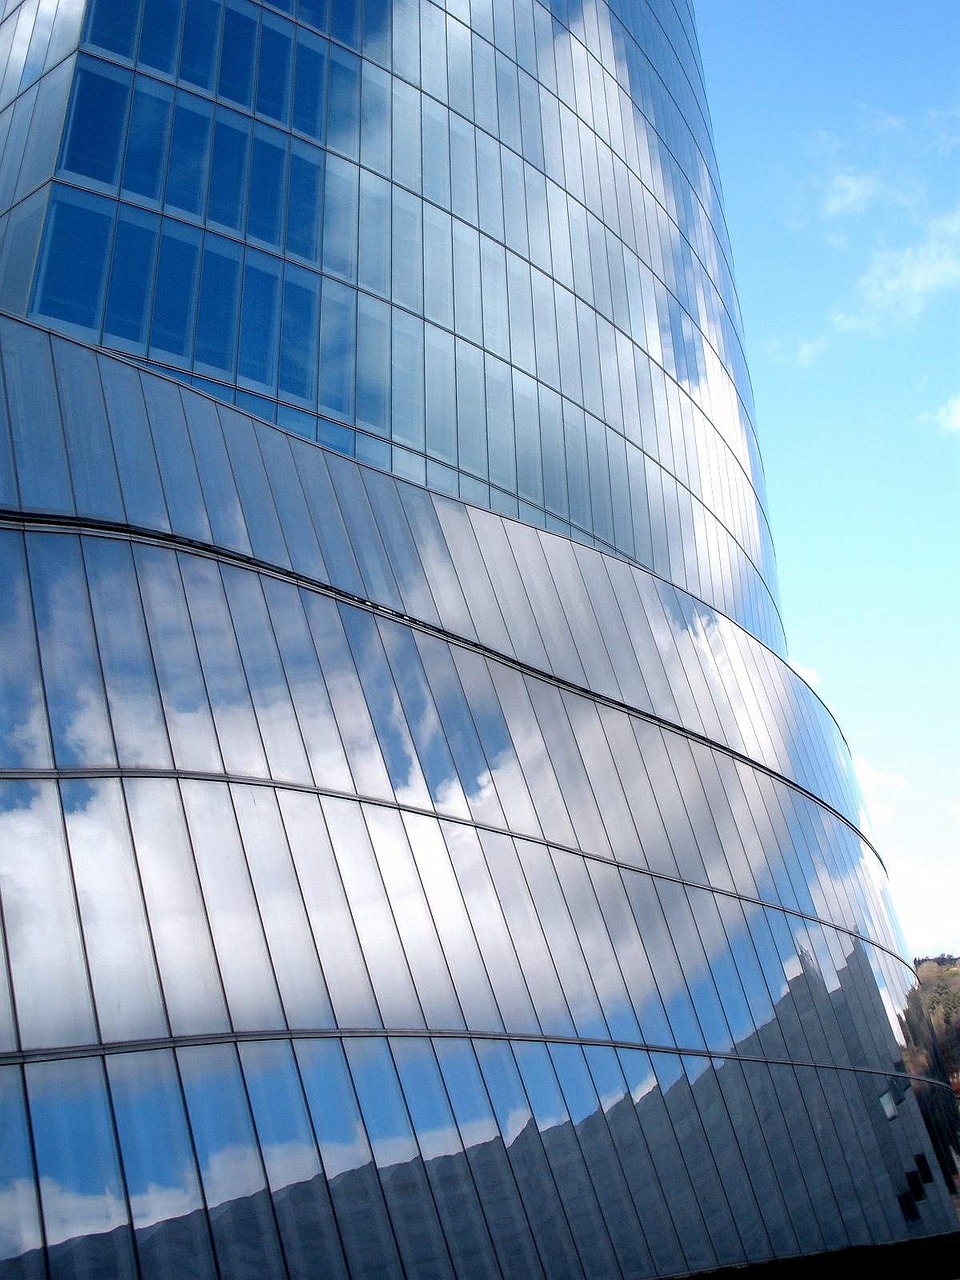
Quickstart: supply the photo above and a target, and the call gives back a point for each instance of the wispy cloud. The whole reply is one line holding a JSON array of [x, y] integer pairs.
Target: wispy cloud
[[901, 282], [947, 417], [880, 790], [850, 193]]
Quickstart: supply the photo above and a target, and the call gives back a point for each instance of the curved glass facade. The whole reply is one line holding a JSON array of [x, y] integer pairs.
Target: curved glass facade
[[416, 857]]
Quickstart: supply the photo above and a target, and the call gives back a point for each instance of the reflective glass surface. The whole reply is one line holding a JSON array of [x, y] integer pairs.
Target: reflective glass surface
[[416, 858]]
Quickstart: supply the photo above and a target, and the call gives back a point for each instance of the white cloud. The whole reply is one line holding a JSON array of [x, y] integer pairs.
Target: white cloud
[[955, 808], [901, 282], [880, 790], [849, 193], [947, 417]]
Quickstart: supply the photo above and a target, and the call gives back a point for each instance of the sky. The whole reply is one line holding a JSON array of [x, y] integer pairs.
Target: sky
[[837, 129]]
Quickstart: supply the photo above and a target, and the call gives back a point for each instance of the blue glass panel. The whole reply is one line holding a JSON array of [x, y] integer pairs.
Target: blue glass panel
[[187, 170], [159, 33], [218, 304], [375, 120], [407, 379], [373, 365], [301, 1201], [267, 181], [348, 1161], [523, 1142], [439, 1140], [85, 1212], [376, 30], [338, 328], [75, 696], [392, 732], [228, 170], [273, 75], [239, 52], [259, 320], [301, 317], [201, 38], [394, 1149], [304, 201], [343, 111], [340, 196], [112, 24], [310, 85], [159, 1168], [98, 114], [70, 282], [131, 278], [147, 138], [243, 1225], [20, 1238], [176, 296], [489, 1165], [23, 728]]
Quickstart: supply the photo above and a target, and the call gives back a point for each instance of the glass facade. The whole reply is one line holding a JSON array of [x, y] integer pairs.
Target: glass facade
[[416, 857]]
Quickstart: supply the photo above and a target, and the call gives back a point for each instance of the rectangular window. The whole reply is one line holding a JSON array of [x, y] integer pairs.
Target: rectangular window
[[239, 52], [131, 278], [147, 139], [73, 265], [98, 114], [217, 315], [273, 78], [259, 321], [175, 303]]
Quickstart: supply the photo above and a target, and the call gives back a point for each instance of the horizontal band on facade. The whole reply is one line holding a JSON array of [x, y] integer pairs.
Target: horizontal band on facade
[[227, 779], [43, 523], [69, 1052]]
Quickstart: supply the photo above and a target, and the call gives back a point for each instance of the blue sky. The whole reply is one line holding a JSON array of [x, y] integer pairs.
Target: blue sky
[[838, 138]]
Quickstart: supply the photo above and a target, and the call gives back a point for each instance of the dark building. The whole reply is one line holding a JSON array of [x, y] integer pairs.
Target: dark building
[[416, 856]]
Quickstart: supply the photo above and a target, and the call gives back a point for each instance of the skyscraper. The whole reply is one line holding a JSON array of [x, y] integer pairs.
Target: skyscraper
[[416, 856]]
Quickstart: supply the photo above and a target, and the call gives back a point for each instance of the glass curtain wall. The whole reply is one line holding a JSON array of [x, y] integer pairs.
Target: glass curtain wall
[[416, 857]]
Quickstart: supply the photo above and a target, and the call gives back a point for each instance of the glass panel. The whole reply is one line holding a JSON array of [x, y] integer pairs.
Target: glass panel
[[418, 934], [675, 1173], [23, 721], [524, 1145], [334, 930], [20, 1238], [348, 1161], [565, 1157], [178, 920], [444, 1159], [632, 1151], [241, 1219], [81, 1190], [117, 942], [395, 1151], [220, 657], [374, 920], [169, 1222], [43, 938], [346, 695], [75, 697], [380, 691], [261, 661], [131, 279], [242, 953], [301, 1200], [128, 669], [292, 949]]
